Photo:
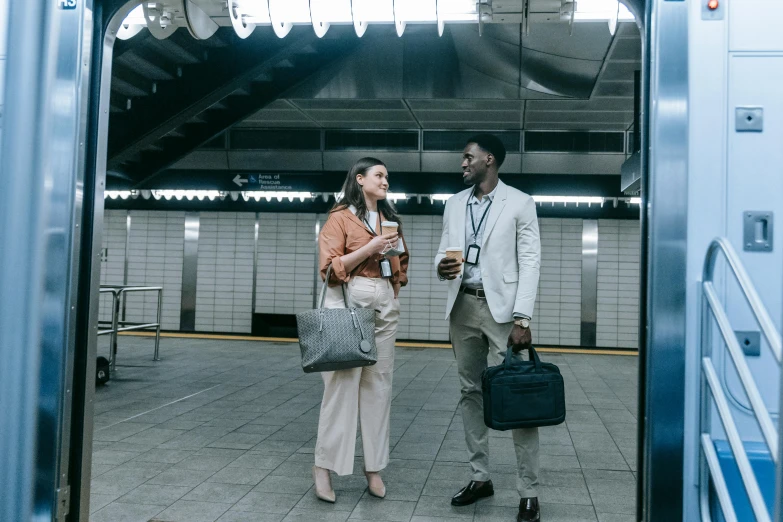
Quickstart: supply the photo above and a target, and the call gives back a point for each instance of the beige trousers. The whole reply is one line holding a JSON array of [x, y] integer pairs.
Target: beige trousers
[[478, 340], [363, 393]]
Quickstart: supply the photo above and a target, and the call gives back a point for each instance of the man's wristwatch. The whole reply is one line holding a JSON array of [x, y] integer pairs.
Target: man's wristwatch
[[524, 322]]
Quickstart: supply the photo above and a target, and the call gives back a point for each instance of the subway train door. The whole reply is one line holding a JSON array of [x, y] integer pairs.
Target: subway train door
[[734, 281], [46, 218], [52, 168]]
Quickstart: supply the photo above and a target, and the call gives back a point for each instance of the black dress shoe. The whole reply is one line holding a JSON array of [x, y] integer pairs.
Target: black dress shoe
[[472, 492], [529, 510]]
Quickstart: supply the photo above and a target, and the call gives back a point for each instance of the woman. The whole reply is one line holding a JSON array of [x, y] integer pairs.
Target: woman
[[352, 243]]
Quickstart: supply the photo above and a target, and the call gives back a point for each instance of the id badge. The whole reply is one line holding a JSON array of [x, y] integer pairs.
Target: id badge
[[386, 270], [472, 258]]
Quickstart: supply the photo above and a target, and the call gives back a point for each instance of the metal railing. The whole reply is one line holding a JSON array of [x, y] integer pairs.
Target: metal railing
[[115, 326], [711, 388]]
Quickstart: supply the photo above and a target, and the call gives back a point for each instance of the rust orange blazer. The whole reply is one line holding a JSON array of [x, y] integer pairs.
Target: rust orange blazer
[[344, 233]]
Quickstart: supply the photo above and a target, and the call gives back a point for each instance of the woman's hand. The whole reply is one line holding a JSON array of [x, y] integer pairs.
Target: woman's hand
[[380, 244], [377, 246]]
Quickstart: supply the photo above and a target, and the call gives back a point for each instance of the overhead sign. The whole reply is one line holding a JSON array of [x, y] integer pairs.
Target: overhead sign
[[264, 182]]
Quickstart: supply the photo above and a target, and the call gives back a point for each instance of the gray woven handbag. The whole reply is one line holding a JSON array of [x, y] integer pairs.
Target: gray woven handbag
[[336, 338]]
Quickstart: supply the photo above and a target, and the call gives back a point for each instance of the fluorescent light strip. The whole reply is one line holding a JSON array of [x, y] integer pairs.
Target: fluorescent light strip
[[440, 197], [396, 196], [188, 194], [304, 196], [245, 15], [417, 11], [118, 194], [258, 195], [569, 199], [393, 196], [290, 11], [283, 14], [373, 11], [601, 10], [132, 24]]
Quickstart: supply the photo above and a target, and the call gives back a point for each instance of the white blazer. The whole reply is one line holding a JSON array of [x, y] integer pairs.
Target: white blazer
[[510, 257]]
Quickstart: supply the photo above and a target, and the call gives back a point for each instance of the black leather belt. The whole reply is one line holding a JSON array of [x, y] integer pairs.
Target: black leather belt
[[478, 292]]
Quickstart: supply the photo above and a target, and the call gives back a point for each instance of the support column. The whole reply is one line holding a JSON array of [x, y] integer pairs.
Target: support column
[[187, 314], [589, 282]]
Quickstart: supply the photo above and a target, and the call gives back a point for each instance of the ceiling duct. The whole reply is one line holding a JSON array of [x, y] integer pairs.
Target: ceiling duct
[[502, 64], [631, 175]]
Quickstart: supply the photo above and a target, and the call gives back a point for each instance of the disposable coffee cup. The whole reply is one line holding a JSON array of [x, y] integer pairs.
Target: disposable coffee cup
[[388, 227], [455, 253]]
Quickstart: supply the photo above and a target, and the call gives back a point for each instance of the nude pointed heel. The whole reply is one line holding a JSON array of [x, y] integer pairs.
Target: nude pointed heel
[[376, 490], [323, 485]]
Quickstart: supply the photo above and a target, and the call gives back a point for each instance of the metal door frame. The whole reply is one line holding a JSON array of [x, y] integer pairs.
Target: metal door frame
[[662, 334], [662, 354], [44, 229]]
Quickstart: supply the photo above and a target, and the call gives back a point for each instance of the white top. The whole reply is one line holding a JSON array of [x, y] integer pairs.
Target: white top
[[472, 277], [372, 219]]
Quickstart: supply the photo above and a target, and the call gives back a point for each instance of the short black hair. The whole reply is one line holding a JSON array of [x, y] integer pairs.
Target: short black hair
[[490, 144]]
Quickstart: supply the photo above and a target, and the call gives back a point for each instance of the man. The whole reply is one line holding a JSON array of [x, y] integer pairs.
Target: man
[[490, 304]]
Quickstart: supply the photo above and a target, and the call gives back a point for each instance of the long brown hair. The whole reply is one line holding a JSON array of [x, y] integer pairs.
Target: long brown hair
[[353, 195]]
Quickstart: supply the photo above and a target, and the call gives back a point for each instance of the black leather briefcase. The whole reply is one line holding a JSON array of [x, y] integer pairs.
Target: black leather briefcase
[[523, 394]]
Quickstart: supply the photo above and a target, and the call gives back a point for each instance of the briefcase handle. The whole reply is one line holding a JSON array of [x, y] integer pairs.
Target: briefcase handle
[[533, 356]]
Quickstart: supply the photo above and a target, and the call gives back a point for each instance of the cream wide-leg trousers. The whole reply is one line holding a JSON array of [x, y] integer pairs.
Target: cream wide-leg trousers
[[360, 393]]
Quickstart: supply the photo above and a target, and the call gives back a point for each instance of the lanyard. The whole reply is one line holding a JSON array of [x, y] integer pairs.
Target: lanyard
[[473, 221], [384, 263], [369, 227]]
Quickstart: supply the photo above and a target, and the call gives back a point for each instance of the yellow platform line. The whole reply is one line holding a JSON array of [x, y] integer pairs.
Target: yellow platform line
[[401, 344]]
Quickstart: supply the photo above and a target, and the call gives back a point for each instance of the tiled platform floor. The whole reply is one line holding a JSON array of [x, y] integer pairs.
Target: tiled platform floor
[[224, 430]]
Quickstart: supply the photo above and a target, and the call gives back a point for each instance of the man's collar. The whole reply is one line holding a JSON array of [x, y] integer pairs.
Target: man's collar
[[473, 199]]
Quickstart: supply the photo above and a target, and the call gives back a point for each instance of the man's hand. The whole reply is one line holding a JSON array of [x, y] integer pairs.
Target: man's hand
[[520, 338], [449, 268]]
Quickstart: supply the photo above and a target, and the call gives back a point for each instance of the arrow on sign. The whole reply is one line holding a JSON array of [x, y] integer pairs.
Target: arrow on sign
[[239, 181]]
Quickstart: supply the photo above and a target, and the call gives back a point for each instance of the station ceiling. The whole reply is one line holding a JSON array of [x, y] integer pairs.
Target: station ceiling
[[501, 80], [171, 97]]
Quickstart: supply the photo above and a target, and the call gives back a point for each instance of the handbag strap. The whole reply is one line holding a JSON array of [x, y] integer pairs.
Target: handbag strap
[[325, 285], [356, 323], [533, 356]]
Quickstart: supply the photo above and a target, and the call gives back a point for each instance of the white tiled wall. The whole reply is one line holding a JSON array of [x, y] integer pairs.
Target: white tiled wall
[[423, 301], [286, 263], [156, 247], [557, 317], [225, 272], [618, 283], [112, 256]]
